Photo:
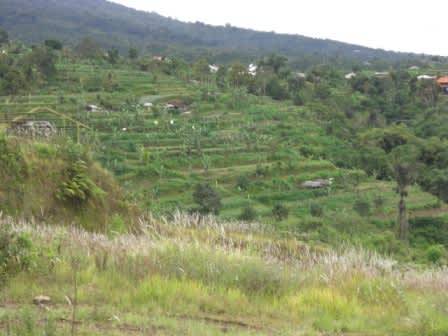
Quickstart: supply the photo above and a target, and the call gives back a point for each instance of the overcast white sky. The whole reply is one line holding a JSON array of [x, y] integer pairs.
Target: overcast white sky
[[413, 25]]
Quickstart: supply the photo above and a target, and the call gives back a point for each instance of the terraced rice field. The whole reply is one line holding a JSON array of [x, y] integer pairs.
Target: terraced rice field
[[159, 156]]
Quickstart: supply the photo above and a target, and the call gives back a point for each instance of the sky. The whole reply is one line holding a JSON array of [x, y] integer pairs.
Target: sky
[[409, 26]]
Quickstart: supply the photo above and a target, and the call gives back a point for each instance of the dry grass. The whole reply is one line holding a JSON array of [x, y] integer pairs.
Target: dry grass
[[237, 239], [196, 267]]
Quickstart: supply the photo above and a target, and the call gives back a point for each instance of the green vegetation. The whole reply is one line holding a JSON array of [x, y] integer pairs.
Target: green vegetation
[[15, 253], [316, 204], [58, 183], [165, 127], [182, 279], [209, 200], [180, 137]]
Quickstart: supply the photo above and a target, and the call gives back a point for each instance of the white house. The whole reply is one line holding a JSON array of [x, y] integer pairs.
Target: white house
[[92, 108], [319, 183], [350, 75], [213, 68], [381, 74], [425, 77], [252, 69]]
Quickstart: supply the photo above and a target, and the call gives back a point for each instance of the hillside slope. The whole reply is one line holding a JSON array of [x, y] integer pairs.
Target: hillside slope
[[181, 278], [114, 25], [59, 183]]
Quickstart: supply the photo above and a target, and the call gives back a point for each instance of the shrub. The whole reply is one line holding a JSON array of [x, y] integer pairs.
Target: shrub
[[276, 90], [280, 212], [207, 198], [322, 91], [242, 183], [261, 171], [379, 203], [156, 112], [434, 253], [117, 224], [248, 214], [316, 210], [387, 243], [78, 188], [15, 253], [429, 230], [362, 207], [26, 323], [94, 84], [45, 151], [73, 152], [12, 161], [298, 99], [311, 224], [13, 174]]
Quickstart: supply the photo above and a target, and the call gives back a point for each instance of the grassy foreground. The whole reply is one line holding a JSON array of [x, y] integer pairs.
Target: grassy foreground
[[195, 276]]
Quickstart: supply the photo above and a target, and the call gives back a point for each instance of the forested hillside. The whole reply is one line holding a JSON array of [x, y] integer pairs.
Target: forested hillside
[[113, 25], [162, 196]]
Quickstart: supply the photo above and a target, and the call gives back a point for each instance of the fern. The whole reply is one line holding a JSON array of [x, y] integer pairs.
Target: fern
[[78, 188]]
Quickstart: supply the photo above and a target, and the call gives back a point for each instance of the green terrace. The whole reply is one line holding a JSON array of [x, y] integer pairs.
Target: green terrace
[[160, 155]]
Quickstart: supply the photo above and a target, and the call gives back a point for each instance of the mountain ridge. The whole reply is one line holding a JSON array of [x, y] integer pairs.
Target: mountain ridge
[[116, 26]]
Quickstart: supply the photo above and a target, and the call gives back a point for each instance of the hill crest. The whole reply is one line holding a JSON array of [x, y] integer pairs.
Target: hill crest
[[114, 25]]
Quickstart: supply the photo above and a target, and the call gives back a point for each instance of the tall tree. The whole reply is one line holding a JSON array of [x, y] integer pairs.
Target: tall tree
[[45, 60], [239, 75], [112, 56], [133, 53], [88, 49], [54, 44], [13, 82], [276, 62], [221, 75], [435, 181], [202, 70], [262, 78], [4, 38], [404, 166]]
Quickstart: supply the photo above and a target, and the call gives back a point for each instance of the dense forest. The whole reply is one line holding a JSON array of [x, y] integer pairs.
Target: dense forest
[[115, 26]]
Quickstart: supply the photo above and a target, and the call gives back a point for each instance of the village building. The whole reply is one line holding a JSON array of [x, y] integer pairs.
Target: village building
[[252, 69], [319, 183], [350, 75], [443, 82], [381, 74], [426, 77], [173, 108], [213, 68], [32, 128], [44, 123], [92, 108]]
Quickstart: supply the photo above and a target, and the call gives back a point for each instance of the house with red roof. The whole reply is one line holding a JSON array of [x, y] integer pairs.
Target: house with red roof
[[443, 82]]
